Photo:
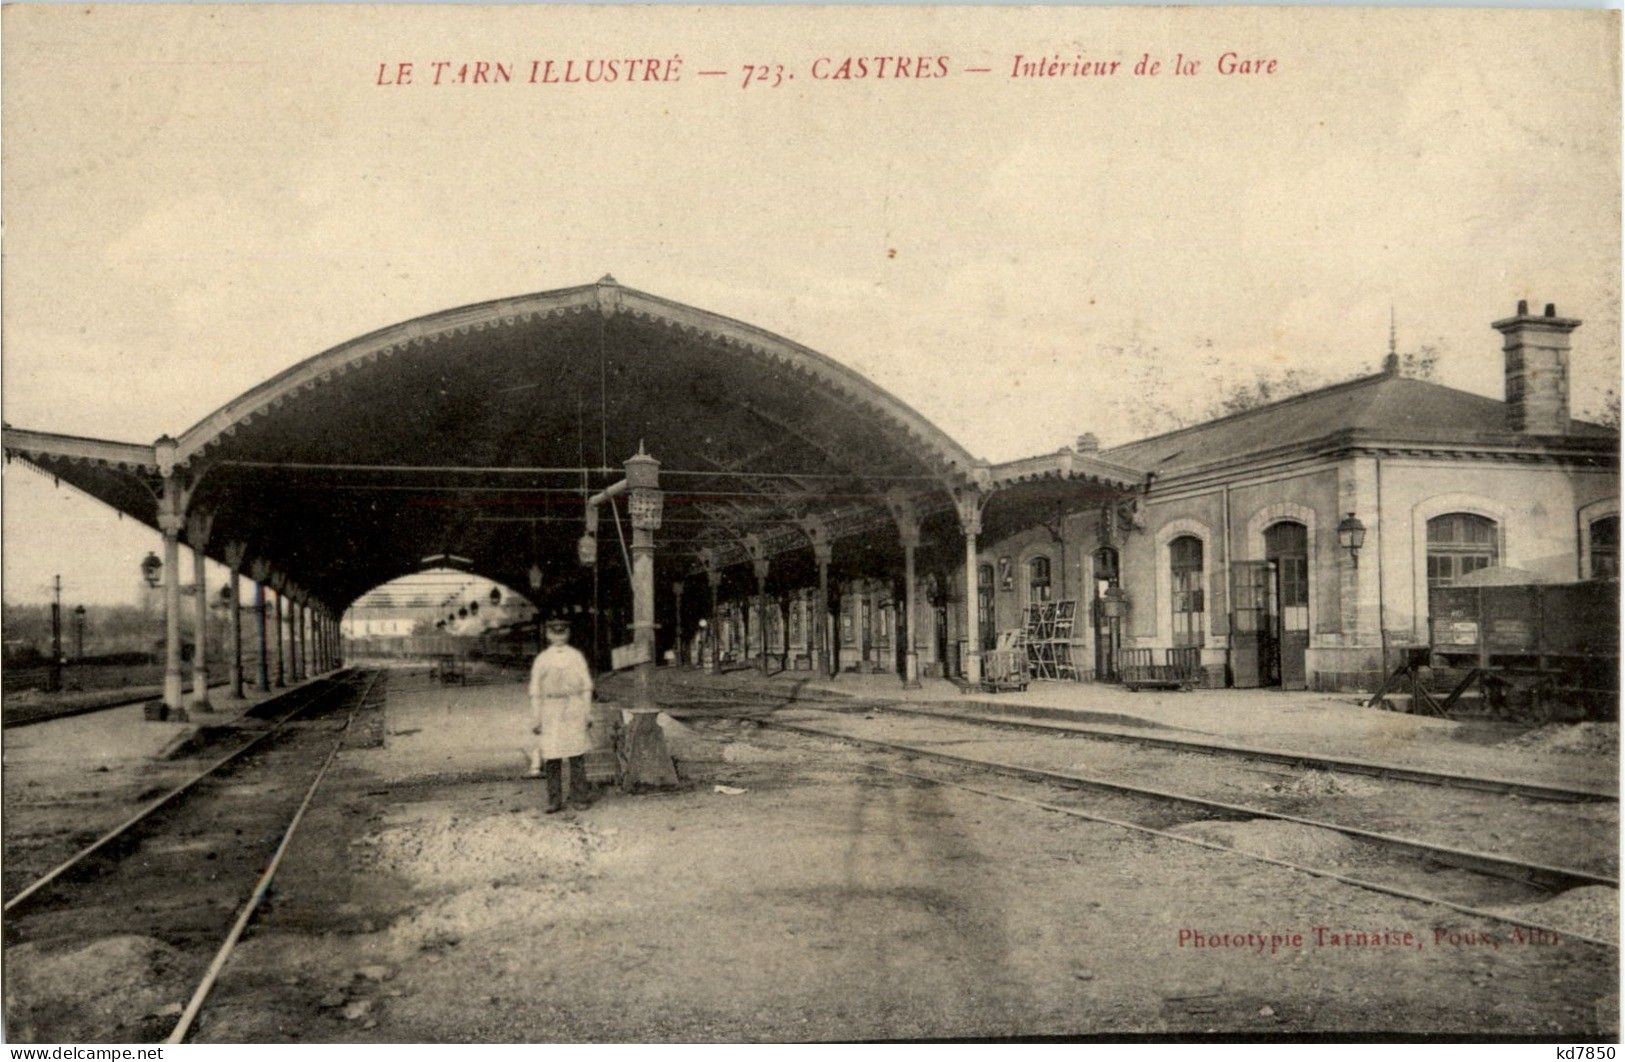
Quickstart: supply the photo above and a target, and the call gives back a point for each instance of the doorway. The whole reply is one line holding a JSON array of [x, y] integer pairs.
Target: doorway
[[1286, 547], [1253, 659]]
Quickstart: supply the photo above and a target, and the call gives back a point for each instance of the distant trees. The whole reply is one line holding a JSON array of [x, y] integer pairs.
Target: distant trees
[[1606, 411], [1154, 414], [108, 628]]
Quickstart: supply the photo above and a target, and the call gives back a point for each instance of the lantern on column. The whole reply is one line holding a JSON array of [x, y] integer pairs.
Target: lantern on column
[[587, 550], [645, 503], [1351, 536], [152, 569]]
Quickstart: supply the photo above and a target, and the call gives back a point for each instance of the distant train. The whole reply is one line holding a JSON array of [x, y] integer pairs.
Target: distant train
[[514, 645]]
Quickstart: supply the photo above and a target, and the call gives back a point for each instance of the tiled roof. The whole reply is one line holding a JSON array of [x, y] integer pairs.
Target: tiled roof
[[1379, 407]]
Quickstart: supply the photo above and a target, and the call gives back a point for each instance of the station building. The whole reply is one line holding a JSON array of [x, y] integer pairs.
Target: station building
[[1231, 545]]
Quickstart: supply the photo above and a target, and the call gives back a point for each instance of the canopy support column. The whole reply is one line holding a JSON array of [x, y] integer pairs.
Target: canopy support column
[[713, 578], [260, 571], [279, 584], [908, 532], [969, 503], [197, 536], [235, 551], [301, 652], [170, 522], [759, 567]]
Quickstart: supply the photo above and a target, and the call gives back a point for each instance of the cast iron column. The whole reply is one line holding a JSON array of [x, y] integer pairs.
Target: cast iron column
[[911, 652], [170, 522], [713, 577], [278, 584], [235, 552], [677, 619], [760, 568], [261, 571], [970, 521], [197, 537], [301, 654], [823, 553]]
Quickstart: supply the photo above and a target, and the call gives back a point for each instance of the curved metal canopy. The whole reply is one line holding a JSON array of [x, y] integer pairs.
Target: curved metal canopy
[[476, 432]]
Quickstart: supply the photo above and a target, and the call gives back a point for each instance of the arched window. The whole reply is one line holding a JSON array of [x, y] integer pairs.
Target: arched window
[[1185, 563], [1038, 588], [1459, 544], [1605, 547], [1287, 544]]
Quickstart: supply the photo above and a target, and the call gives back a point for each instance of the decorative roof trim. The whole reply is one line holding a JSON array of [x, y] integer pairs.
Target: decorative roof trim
[[605, 297], [1064, 464], [38, 445]]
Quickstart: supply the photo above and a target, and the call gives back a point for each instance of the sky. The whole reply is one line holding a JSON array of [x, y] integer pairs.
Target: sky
[[197, 198]]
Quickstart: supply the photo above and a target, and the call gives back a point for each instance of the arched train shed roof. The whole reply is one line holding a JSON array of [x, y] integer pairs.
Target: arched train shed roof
[[475, 431]]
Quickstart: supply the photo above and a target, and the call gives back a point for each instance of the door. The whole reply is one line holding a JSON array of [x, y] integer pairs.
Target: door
[[1252, 652], [1286, 545], [1108, 629]]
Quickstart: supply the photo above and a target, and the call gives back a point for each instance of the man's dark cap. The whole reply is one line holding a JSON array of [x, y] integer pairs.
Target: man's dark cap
[[559, 625]]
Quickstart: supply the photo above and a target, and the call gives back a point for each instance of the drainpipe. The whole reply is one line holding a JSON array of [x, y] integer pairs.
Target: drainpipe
[[1382, 596]]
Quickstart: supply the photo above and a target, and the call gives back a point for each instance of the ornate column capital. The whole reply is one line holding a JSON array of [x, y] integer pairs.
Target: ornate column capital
[[199, 522], [905, 515], [969, 502]]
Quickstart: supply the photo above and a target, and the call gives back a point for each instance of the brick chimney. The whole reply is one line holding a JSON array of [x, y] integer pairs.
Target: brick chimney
[[1537, 370]]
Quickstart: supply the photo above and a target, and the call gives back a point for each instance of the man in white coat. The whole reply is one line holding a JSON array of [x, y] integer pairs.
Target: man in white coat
[[560, 702]]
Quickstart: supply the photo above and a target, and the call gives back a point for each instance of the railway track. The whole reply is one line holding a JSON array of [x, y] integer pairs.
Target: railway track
[[1288, 757], [188, 854], [1475, 883], [1371, 768]]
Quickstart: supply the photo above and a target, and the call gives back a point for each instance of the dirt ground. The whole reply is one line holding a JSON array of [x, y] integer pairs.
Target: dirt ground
[[427, 898]]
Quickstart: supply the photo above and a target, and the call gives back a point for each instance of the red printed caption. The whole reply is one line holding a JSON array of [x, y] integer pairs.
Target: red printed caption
[[667, 70]]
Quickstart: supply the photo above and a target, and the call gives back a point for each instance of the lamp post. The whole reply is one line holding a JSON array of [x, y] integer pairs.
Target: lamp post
[[152, 570], [78, 633], [1351, 536]]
